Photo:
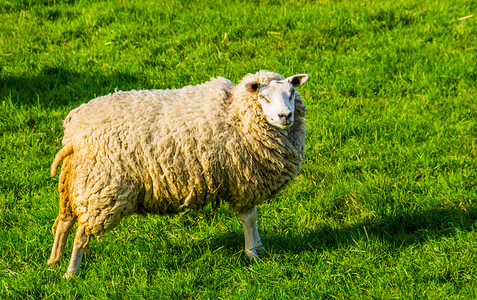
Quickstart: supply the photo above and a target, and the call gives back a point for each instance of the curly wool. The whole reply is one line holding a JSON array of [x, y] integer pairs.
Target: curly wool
[[162, 151]]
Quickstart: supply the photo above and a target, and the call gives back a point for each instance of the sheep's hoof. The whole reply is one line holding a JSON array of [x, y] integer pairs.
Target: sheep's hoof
[[70, 275], [252, 255]]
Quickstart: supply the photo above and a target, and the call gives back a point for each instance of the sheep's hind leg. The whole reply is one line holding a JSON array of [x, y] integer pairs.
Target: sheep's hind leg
[[63, 227], [80, 245], [252, 238]]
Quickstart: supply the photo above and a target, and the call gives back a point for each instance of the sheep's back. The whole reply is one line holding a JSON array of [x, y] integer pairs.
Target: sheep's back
[[165, 144]]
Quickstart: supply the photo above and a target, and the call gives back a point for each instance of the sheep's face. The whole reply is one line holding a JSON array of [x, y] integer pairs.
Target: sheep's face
[[278, 99]]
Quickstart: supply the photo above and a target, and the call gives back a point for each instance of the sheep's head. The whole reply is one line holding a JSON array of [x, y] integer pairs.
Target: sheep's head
[[277, 99]]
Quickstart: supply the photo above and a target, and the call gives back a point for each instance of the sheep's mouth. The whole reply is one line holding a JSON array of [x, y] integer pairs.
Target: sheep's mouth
[[281, 124]]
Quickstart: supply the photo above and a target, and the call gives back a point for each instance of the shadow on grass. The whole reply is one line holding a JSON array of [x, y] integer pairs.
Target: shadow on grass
[[397, 231], [57, 87]]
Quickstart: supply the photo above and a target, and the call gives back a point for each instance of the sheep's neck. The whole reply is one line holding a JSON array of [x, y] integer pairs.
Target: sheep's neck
[[264, 158]]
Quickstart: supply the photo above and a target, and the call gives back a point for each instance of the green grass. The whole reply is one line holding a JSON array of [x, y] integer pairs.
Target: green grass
[[385, 207]]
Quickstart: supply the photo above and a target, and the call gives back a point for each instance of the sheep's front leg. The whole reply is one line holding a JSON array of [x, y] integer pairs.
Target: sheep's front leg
[[253, 243], [80, 245]]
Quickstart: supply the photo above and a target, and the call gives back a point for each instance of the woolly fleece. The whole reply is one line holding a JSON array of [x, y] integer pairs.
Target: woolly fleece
[[162, 151]]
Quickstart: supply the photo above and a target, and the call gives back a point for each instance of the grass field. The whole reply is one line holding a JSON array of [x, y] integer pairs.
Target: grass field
[[386, 204]]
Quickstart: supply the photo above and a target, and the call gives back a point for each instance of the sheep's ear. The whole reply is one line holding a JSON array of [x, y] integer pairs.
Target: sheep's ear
[[297, 80], [252, 87]]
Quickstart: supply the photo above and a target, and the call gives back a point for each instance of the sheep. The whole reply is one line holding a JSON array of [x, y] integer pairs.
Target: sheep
[[165, 151]]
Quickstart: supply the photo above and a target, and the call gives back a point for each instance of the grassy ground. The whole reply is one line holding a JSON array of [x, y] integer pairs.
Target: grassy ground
[[385, 207]]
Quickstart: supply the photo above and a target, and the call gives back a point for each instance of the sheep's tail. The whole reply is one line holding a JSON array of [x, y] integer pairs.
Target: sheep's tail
[[62, 154]]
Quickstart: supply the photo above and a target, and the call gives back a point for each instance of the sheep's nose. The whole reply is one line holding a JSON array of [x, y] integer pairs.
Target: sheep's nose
[[285, 116]]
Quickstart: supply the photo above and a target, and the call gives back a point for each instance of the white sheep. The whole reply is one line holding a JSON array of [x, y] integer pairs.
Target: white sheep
[[163, 151]]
